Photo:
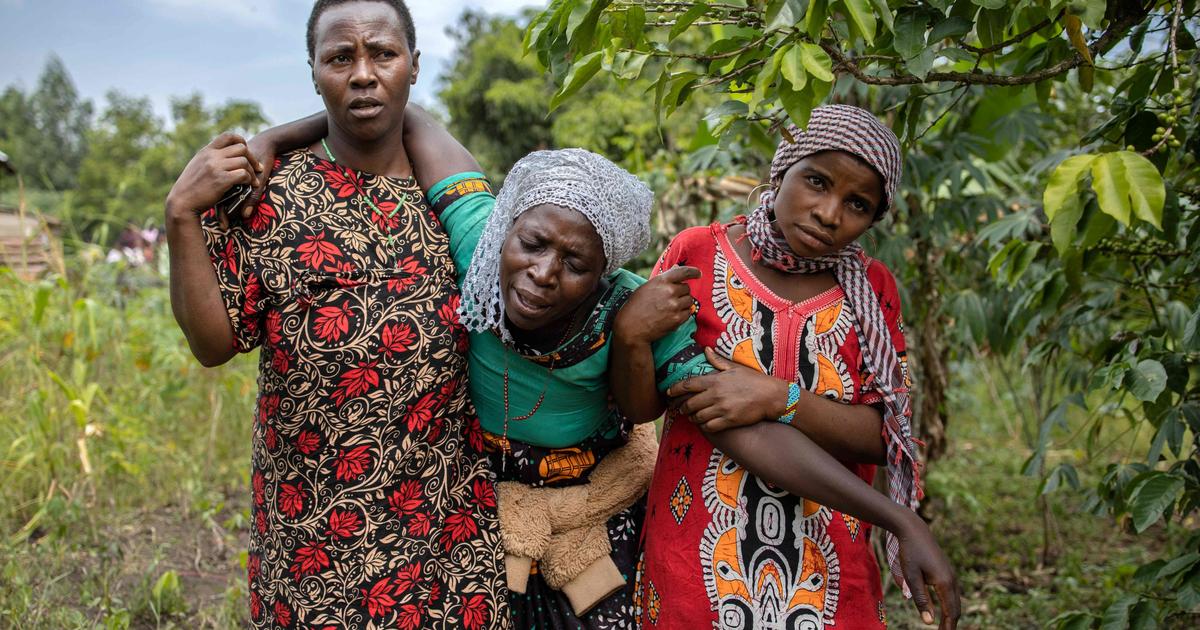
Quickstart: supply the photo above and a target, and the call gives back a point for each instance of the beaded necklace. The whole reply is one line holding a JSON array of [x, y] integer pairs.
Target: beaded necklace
[[365, 197], [541, 397]]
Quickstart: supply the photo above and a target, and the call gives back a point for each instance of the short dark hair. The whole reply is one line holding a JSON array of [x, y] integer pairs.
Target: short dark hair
[[319, 7]]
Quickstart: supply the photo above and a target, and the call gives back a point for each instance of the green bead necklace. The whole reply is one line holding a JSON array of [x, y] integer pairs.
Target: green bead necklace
[[365, 196]]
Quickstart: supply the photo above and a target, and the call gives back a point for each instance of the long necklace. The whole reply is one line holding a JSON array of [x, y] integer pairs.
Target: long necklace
[[365, 197], [505, 445]]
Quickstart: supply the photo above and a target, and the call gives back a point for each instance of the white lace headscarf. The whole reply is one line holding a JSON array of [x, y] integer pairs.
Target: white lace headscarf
[[613, 200]]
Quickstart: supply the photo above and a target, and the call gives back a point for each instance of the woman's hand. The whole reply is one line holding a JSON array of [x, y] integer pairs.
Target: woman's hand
[[657, 307], [734, 396], [224, 163], [928, 571], [262, 150]]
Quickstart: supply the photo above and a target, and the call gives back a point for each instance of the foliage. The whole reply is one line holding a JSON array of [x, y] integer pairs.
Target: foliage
[[44, 132], [112, 171], [1050, 146]]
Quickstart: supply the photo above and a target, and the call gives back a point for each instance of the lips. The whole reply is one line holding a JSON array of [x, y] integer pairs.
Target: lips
[[529, 303], [816, 234], [365, 107]]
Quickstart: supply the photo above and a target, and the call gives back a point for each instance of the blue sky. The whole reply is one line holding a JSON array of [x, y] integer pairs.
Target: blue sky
[[251, 49]]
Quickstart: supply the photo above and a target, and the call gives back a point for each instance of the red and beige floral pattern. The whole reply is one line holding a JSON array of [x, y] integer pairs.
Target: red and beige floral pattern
[[372, 504]]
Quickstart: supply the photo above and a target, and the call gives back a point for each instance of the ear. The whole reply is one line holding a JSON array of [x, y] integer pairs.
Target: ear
[[416, 66], [312, 73]]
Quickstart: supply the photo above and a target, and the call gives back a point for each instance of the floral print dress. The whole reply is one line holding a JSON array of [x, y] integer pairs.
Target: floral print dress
[[372, 504]]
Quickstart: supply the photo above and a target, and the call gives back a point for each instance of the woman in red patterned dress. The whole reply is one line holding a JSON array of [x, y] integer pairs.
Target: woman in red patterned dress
[[793, 313], [372, 506]]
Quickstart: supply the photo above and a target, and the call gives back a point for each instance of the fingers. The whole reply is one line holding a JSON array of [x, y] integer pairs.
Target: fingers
[[691, 386], [702, 400], [239, 171], [920, 595], [227, 139], [717, 425], [947, 594], [680, 274], [717, 361]]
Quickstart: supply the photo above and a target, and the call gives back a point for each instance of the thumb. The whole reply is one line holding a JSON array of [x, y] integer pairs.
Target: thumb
[[681, 273], [717, 361]]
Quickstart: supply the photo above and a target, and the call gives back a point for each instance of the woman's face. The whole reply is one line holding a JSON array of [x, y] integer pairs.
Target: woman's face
[[826, 201], [551, 261], [363, 68]]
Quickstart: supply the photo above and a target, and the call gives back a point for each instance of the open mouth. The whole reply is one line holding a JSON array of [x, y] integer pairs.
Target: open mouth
[[365, 107], [529, 304]]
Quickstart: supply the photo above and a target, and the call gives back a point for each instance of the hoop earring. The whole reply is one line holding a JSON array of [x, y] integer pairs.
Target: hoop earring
[[871, 238]]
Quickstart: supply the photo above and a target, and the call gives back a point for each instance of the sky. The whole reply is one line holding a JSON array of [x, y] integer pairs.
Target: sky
[[223, 49]]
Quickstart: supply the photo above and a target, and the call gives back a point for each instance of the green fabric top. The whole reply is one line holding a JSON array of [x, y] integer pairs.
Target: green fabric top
[[576, 403]]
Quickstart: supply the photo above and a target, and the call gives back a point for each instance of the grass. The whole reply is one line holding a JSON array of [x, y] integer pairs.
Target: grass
[[124, 465]]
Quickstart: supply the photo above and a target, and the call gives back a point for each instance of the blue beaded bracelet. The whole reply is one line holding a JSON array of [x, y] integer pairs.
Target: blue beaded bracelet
[[793, 402]]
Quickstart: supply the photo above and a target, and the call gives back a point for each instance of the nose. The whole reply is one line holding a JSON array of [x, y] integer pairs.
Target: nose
[[828, 212], [544, 271], [363, 75]]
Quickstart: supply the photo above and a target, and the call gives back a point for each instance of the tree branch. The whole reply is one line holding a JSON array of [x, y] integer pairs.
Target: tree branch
[[1014, 39]]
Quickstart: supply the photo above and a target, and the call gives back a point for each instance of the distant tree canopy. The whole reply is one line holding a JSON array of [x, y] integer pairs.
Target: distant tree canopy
[[113, 169]]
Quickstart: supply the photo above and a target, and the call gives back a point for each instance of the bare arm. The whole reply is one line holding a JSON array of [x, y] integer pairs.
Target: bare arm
[[737, 395], [791, 461], [655, 309], [195, 297], [434, 152]]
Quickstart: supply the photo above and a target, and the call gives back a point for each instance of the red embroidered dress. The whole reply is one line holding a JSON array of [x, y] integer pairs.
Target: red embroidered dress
[[722, 549], [372, 506]]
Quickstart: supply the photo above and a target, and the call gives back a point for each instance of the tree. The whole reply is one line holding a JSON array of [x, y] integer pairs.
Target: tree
[[45, 132], [1050, 147]]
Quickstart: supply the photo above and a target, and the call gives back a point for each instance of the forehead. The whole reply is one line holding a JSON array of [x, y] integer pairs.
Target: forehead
[[359, 20], [559, 223]]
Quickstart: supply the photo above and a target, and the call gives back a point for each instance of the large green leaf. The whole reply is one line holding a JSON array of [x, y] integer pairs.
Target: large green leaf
[[1147, 380], [1158, 492], [1061, 200], [910, 33], [816, 61], [1126, 183], [792, 67], [581, 72], [862, 16], [785, 13]]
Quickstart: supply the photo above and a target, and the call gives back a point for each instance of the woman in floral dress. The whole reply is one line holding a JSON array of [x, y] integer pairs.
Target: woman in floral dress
[[372, 506]]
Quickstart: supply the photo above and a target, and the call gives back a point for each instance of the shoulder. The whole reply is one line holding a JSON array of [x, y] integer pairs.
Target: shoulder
[[691, 246], [880, 276]]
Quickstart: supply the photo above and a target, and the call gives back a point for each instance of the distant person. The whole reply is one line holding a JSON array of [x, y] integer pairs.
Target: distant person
[[372, 506]]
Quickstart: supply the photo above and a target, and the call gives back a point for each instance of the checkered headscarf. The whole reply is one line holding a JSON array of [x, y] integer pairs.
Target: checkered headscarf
[[859, 133]]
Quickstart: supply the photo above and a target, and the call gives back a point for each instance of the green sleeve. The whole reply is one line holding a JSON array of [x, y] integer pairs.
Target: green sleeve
[[678, 357], [463, 202]]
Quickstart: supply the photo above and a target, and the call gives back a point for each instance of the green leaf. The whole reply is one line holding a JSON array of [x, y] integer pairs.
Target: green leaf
[[635, 25], [631, 65], [990, 26], [989, 4], [581, 72], [1147, 380], [814, 19], [910, 33], [785, 13], [1191, 332], [1074, 620], [862, 16], [681, 86], [816, 61], [792, 67], [40, 300], [797, 103], [766, 76], [920, 65], [1154, 495], [685, 20], [1061, 200], [952, 27], [1126, 182], [1116, 616]]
